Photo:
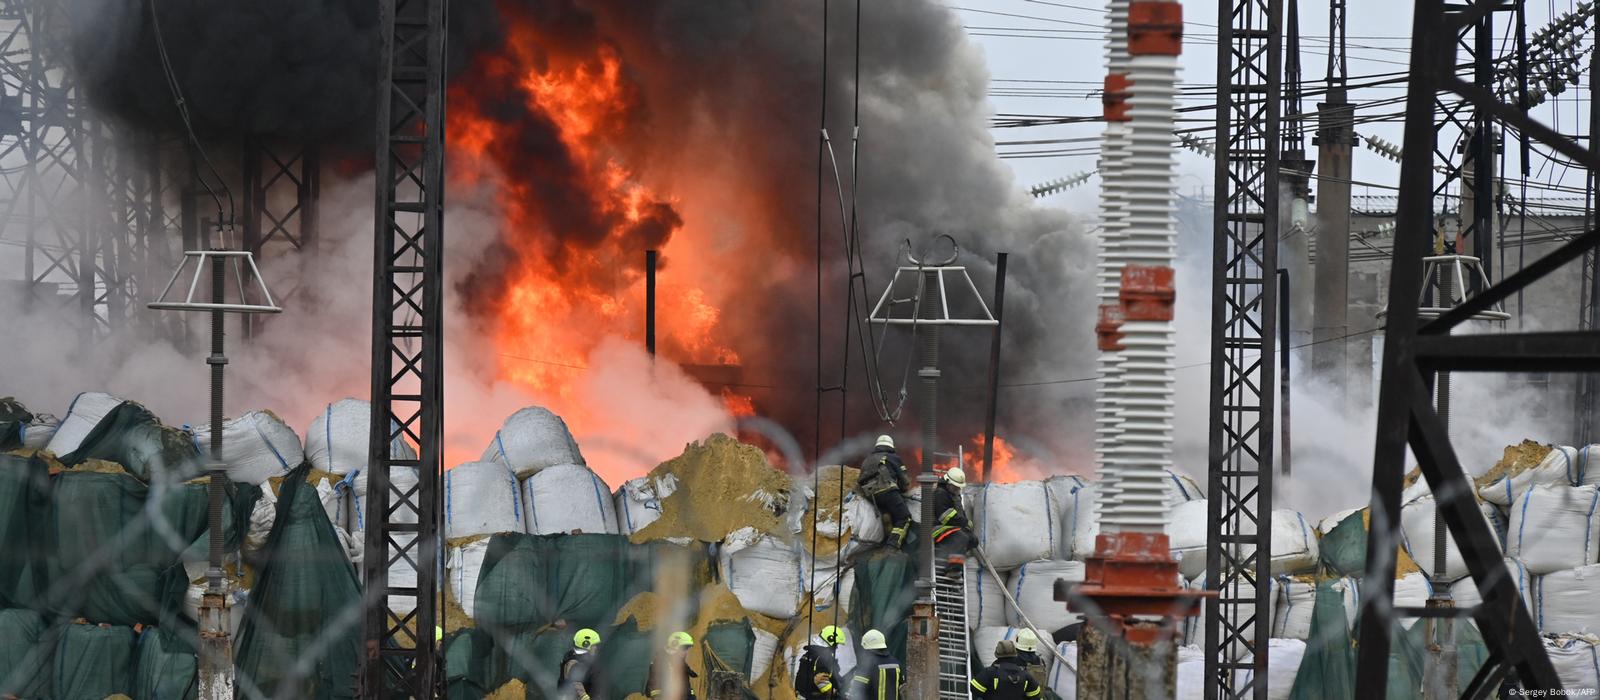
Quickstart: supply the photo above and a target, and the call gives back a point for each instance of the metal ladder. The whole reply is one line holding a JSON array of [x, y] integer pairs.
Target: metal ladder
[[955, 648]]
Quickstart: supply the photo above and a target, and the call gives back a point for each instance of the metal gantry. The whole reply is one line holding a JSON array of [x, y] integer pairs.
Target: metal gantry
[[1244, 314], [1414, 352], [401, 654], [281, 187]]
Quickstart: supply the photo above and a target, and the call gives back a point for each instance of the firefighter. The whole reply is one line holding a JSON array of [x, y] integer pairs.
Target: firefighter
[[818, 675], [1005, 679], [883, 480], [952, 532], [1028, 656], [578, 677], [676, 657], [877, 676]]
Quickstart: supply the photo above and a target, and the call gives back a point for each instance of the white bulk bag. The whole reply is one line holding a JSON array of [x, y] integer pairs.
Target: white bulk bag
[[1191, 672], [1465, 593], [1416, 532], [1554, 528], [262, 517], [823, 576], [85, 412], [1560, 466], [481, 498], [1062, 492], [256, 446], [1411, 591], [985, 639], [1186, 531], [1292, 604], [1577, 661], [638, 501], [986, 604], [1283, 664], [1586, 460], [339, 438], [1078, 532], [1193, 628], [1294, 543], [567, 498], [1326, 525], [1564, 601], [462, 566], [763, 572], [1063, 678], [1015, 523], [1182, 489], [353, 507], [533, 439], [1032, 585], [761, 655], [37, 433]]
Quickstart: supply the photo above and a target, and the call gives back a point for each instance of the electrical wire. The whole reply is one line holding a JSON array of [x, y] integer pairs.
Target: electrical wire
[[188, 126]]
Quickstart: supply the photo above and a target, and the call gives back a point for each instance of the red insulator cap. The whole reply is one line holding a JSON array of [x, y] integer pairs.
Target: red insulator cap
[[1155, 28], [1147, 293], [1108, 331], [1114, 98]]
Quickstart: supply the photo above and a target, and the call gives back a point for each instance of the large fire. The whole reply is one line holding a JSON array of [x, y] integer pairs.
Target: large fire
[[547, 126]]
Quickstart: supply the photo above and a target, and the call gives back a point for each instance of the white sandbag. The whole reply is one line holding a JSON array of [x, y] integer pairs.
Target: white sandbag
[[533, 439], [1564, 602], [1294, 544], [985, 639], [1292, 603], [1193, 629], [262, 517], [481, 498], [1186, 531], [353, 507], [763, 572], [1283, 664], [462, 566], [1411, 591], [638, 501], [85, 412], [565, 499], [1032, 585], [1182, 489], [339, 438], [1015, 523], [761, 655], [1577, 661], [256, 446], [1326, 525], [1349, 592], [1588, 468], [1555, 528], [822, 580], [1191, 672], [986, 605], [1465, 593], [1560, 466], [37, 433], [1416, 532], [1064, 498], [1063, 677]]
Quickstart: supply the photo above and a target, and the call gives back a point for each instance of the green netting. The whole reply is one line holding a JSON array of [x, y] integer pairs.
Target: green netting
[[132, 436], [166, 666], [510, 595], [591, 578], [534, 657], [110, 564], [301, 635], [1344, 549], [625, 659], [883, 595], [729, 646], [469, 663], [21, 659], [13, 416], [92, 662], [24, 532], [1327, 671]]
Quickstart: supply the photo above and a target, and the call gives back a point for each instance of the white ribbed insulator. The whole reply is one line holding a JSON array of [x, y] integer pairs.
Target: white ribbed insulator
[[1113, 155], [1144, 397]]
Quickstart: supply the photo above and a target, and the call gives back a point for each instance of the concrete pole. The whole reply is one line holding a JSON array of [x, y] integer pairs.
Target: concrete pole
[[1335, 139]]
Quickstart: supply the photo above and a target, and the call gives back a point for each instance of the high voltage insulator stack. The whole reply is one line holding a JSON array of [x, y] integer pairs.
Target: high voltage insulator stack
[[1109, 271], [1554, 52]]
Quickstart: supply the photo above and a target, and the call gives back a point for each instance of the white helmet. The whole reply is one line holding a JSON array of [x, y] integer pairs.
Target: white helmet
[[873, 639], [955, 476], [1027, 640], [885, 441]]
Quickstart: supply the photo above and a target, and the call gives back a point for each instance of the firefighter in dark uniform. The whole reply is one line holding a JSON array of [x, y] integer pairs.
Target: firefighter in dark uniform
[[578, 678], [952, 532], [1028, 656], [877, 675], [675, 661], [883, 480], [818, 675], [1005, 679]]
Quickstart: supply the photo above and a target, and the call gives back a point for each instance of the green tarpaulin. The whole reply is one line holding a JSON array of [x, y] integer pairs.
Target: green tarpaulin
[[25, 647], [25, 534], [13, 416], [729, 647], [883, 595], [625, 657], [301, 635], [93, 662], [165, 666], [469, 663], [1344, 549], [132, 436]]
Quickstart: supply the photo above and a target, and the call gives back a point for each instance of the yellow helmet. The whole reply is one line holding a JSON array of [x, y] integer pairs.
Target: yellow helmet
[[834, 636], [585, 638], [680, 640], [1027, 640]]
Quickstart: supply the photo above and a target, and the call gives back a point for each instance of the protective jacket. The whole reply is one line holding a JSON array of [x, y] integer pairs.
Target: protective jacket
[[818, 675], [949, 516], [578, 679], [656, 685], [1034, 665], [877, 676], [882, 470], [1005, 680]]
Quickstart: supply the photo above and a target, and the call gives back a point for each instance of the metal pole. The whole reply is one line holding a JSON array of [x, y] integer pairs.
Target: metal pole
[[1283, 376], [650, 257], [216, 647], [928, 308], [1440, 681], [994, 367]]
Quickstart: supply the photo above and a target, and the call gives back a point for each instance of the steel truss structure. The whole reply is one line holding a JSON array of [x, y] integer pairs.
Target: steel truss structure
[[281, 187], [401, 656], [1244, 315], [1414, 352]]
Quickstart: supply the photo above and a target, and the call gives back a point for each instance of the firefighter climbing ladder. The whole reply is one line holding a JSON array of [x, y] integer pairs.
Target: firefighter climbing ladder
[[955, 650]]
